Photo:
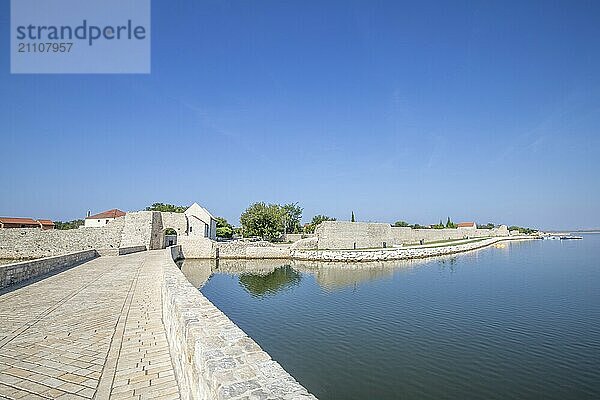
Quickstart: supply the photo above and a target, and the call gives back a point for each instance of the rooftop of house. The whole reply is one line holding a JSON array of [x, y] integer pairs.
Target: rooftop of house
[[114, 213], [466, 225], [26, 221]]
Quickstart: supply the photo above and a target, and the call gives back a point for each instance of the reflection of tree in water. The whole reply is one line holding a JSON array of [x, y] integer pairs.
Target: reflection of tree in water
[[281, 278]]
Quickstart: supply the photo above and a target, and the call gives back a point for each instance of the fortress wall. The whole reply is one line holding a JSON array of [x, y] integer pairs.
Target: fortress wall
[[138, 229], [196, 247], [177, 221], [408, 253], [28, 243], [344, 235], [294, 237]]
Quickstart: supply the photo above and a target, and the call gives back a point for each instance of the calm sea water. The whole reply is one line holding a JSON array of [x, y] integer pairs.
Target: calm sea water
[[521, 321]]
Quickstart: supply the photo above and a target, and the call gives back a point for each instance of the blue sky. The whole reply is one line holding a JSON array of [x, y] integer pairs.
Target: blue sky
[[486, 111]]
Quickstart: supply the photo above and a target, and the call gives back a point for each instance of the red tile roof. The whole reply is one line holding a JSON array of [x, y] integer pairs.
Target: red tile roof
[[46, 222], [22, 221], [114, 213], [466, 225]]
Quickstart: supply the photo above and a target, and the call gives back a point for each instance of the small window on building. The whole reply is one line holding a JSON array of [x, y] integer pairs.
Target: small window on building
[[107, 221], [98, 220], [190, 228]]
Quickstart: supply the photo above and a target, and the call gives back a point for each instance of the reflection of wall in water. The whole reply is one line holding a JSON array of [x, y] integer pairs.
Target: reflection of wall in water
[[258, 267], [334, 276], [197, 271]]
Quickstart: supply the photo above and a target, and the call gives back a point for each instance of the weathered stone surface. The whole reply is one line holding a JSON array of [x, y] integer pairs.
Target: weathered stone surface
[[11, 274], [396, 253], [94, 330], [344, 235], [213, 358], [36, 243]]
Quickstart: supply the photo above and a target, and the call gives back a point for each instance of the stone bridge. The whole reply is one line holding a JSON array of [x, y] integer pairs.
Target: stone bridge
[[127, 327]]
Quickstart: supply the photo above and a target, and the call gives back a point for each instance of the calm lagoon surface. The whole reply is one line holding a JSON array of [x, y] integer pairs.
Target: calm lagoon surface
[[521, 321]]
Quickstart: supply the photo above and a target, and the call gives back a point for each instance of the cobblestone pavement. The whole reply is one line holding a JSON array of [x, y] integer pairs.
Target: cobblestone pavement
[[94, 331]]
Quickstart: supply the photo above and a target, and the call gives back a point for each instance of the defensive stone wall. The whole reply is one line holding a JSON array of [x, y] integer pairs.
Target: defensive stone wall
[[396, 253], [213, 358], [294, 237], [196, 247], [11, 274], [176, 221], [365, 235], [29, 243], [251, 250], [138, 229], [353, 235], [402, 235]]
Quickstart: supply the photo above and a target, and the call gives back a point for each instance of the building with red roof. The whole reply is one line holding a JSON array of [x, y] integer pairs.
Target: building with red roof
[[103, 218], [11, 222]]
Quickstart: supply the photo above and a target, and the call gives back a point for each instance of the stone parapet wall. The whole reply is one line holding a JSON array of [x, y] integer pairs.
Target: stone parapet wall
[[213, 358], [11, 274], [28, 243], [397, 253]]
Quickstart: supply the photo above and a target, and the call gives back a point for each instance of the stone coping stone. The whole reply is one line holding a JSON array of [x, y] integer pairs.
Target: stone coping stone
[[213, 358]]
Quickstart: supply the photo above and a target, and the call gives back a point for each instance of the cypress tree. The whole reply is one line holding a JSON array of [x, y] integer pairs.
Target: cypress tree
[[353, 220]]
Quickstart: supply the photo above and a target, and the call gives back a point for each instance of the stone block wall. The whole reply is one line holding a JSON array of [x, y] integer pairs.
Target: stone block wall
[[348, 235], [28, 243], [213, 358], [11, 274], [365, 235], [294, 237], [139, 230], [175, 221], [396, 253], [196, 247], [402, 235]]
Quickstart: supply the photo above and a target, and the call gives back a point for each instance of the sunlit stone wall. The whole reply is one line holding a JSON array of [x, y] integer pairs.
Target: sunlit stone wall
[[213, 358]]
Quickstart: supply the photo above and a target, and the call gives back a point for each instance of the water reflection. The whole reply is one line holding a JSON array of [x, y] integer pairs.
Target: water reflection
[[265, 277], [280, 279], [196, 271]]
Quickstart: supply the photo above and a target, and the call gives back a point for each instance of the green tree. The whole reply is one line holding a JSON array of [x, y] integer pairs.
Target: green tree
[[282, 278], [263, 220], [225, 232], [353, 219], [450, 224], [292, 214], [316, 220], [166, 208], [525, 231], [401, 224], [74, 224], [224, 228], [438, 226], [486, 226]]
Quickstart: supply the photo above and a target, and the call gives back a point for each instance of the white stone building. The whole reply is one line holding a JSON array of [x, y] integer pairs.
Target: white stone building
[[103, 218], [200, 222]]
